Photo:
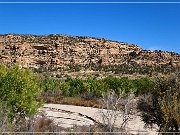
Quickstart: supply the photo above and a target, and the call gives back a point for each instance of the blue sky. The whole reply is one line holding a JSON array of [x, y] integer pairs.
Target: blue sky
[[151, 26]]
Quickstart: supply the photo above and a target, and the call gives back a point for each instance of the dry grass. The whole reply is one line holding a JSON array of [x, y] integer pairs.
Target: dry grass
[[72, 101]]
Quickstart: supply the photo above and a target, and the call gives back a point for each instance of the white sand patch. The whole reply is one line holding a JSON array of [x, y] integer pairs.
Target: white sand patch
[[69, 115]]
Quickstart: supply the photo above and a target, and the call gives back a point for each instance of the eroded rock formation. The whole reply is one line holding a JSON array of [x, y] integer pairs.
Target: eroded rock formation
[[58, 51]]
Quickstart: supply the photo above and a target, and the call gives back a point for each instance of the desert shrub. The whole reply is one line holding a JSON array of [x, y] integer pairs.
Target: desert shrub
[[73, 87], [170, 106], [86, 88], [142, 86], [4, 122], [93, 88], [50, 86], [119, 85], [65, 89], [117, 106], [42, 123], [19, 90], [100, 87], [90, 88], [162, 106], [37, 123], [3, 70]]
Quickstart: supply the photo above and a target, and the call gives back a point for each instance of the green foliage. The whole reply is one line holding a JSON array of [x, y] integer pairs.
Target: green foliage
[[50, 84], [143, 85], [162, 105], [3, 70], [19, 90], [170, 106], [76, 86], [93, 88], [119, 85], [86, 88]]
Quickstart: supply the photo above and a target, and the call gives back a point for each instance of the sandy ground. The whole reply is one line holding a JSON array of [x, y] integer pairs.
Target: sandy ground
[[69, 115]]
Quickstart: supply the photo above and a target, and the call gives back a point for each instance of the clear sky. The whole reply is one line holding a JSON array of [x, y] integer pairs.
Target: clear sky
[[151, 26]]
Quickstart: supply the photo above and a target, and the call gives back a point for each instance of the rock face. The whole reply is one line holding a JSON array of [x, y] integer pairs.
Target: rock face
[[59, 51]]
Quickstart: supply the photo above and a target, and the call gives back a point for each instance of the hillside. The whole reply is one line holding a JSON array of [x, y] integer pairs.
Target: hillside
[[75, 53]]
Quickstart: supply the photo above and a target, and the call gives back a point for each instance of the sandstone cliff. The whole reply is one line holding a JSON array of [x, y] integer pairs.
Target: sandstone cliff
[[53, 52]]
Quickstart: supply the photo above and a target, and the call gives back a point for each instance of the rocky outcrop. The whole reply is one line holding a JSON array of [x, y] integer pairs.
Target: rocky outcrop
[[59, 51]]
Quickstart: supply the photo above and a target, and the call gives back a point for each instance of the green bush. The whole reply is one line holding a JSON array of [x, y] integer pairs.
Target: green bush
[[50, 84], [87, 88], [162, 106], [75, 86], [143, 86], [119, 85], [93, 88], [19, 90]]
